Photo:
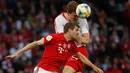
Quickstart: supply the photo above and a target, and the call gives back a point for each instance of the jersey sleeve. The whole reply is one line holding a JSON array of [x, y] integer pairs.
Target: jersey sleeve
[[58, 25], [48, 39], [83, 25]]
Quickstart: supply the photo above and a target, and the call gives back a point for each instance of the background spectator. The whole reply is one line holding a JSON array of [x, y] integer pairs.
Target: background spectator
[[22, 22]]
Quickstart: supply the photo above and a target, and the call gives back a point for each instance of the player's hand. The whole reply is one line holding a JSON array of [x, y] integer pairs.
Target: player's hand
[[10, 57], [98, 70]]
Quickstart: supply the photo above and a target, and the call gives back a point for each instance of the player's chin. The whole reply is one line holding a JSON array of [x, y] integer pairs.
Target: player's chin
[[77, 36], [75, 19]]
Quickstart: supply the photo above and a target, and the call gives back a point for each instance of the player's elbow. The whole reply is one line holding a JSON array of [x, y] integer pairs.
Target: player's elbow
[[40, 42], [35, 43]]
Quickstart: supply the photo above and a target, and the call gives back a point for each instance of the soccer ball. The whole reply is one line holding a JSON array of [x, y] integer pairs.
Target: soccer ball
[[83, 11]]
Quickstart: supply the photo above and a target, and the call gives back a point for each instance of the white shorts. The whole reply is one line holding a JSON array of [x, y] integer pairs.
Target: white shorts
[[40, 70]]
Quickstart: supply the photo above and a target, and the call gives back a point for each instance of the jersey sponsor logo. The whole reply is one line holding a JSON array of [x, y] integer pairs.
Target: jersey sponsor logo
[[48, 38], [63, 47], [60, 49]]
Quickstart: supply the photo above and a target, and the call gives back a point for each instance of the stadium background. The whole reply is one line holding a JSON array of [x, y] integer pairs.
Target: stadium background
[[23, 21]]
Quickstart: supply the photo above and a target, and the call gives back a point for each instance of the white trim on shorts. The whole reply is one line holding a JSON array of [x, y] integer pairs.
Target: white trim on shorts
[[41, 70]]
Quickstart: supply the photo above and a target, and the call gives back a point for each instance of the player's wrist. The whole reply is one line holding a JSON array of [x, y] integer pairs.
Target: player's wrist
[[93, 66]]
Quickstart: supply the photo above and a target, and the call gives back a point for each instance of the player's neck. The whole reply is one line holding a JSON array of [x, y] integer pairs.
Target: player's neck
[[67, 37], [67, 17]]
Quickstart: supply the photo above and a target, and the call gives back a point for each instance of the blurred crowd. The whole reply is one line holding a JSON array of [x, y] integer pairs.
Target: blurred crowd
[[23, 21]]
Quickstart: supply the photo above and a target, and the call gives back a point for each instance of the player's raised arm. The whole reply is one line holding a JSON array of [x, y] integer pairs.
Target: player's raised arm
[[84, 39], [27, 47], [84, 28], [87, 62]]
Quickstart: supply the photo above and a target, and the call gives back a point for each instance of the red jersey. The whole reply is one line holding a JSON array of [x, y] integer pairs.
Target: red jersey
[[60, 22], [56, 47]]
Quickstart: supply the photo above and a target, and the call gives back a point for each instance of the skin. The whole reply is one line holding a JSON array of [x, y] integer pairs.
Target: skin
[[68, 36], [84, 39], [68, 69]]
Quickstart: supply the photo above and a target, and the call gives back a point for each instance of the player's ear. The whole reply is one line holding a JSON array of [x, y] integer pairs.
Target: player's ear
[[69, 30]]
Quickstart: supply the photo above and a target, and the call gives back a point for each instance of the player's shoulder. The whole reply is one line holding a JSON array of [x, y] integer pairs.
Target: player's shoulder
[[56, 35], [49, 36], [59, 17], [53, 35], [59, 20]]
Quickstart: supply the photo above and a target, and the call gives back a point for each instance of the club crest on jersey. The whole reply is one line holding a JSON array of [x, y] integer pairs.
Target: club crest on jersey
[[48, 38]]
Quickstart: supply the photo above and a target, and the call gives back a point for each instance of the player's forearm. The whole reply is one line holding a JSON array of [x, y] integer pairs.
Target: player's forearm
[[27, 47], [85, 40], [82, 40], [85, 60]]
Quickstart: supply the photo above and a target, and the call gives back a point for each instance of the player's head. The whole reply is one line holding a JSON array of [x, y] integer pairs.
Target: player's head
[[71, 29], [71, 9]]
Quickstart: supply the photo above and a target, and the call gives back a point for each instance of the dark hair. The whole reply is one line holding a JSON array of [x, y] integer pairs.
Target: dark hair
[[71, 6], [70, 26]]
